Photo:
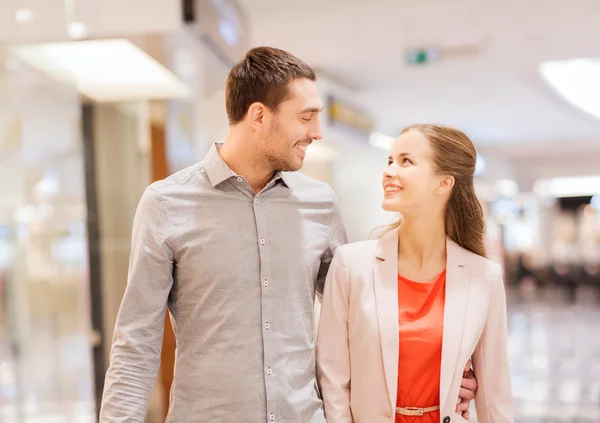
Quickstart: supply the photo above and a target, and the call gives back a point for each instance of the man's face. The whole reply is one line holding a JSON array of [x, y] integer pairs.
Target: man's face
[[293, 127]]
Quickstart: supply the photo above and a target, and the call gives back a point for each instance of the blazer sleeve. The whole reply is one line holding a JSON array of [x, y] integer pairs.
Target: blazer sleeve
[[332, 350], [493, 400]]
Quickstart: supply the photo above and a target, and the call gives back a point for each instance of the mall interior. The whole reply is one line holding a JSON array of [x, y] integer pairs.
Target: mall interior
[[99, 98]]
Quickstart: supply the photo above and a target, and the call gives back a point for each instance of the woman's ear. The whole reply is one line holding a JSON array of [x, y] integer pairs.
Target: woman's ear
[[446, 184]]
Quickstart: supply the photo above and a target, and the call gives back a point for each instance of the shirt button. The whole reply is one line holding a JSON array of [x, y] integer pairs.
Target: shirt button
[[272, 417], [262, 241], [269, 371], [256, 201], [266, 282], [267, 326], [240, 180]]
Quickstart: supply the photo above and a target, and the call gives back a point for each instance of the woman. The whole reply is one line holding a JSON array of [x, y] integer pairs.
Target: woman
[[402, 315]]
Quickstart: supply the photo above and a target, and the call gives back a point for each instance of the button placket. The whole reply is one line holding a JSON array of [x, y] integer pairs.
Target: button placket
[[266, 311]]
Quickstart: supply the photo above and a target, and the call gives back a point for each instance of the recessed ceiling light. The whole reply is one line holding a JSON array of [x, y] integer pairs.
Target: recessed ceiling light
[[573, 186], [479, 165], [507, 187], [77, 30], [23, 15], [577, 81], [105, 70], [382, 141]]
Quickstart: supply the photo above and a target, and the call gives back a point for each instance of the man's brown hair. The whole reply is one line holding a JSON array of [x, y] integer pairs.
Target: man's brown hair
[[263, 76]]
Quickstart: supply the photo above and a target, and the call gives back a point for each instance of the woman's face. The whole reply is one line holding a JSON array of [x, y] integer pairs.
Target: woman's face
[[410, 183]]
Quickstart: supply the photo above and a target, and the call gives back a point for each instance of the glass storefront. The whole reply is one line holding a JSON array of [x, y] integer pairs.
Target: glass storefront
[[63, 265], [45, 330]]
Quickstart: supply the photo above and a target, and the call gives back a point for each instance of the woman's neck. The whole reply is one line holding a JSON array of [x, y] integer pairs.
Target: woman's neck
[[422, 244]]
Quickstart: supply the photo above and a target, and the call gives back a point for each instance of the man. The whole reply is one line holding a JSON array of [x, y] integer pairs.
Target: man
[[235, 247]]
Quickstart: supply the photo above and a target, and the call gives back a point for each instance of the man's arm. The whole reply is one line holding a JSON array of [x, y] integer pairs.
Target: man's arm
[[337, 237], [137, 339], [468, 387]]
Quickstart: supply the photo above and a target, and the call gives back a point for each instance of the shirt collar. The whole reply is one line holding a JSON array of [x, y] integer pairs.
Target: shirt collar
[[218, 171], [284, 177]]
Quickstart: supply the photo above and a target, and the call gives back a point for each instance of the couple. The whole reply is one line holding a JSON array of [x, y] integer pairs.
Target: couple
[[237, 246]]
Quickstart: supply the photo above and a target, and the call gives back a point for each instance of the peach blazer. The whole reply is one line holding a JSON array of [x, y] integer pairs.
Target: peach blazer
[[358, 335]]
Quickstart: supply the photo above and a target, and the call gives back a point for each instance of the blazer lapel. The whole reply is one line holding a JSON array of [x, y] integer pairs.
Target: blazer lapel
[[457, 289], [385, 280]]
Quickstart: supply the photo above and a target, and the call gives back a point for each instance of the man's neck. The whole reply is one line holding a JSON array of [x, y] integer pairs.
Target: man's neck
[[238, 153]]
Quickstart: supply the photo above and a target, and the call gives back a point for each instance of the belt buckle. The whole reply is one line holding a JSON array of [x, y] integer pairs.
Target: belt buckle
[[415, 411]]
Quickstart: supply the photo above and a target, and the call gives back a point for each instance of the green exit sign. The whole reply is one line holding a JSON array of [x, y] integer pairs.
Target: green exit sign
[[420, 56]]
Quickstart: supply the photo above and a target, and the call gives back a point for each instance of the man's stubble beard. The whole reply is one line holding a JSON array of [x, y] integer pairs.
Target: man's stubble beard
[[275, 159]]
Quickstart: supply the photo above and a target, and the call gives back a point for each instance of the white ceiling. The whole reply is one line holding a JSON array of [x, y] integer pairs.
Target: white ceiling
[[103, 18], [496, 94]]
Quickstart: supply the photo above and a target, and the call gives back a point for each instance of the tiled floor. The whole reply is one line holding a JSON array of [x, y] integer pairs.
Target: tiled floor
[[555, 355], [554, 351], [51, 383]]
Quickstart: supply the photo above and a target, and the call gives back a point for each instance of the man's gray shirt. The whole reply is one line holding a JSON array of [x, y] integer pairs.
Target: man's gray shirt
[[238, 273]]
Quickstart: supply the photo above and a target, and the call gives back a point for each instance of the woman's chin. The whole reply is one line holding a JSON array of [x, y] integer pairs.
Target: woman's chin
[[391, 205]]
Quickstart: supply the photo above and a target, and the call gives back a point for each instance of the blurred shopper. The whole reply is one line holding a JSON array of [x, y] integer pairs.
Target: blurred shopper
[[403, 314], [235, 247]]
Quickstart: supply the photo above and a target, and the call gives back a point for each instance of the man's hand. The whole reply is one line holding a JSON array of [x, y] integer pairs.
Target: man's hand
[[468, 387]]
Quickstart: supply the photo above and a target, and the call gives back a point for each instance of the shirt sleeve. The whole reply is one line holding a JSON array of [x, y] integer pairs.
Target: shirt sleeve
[[337, 237], [137, 338], [333, 350]]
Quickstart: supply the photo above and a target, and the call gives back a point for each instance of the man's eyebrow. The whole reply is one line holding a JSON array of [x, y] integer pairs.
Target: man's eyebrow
[[312, 110]]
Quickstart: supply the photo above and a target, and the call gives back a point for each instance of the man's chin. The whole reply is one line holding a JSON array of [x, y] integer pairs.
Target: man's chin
[[291, 166], [296, 166]]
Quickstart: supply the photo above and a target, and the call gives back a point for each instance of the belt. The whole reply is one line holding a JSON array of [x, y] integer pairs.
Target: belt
[[415, 411]]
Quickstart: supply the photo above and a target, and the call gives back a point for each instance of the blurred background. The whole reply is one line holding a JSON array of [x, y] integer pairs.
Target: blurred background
[[98, 98]]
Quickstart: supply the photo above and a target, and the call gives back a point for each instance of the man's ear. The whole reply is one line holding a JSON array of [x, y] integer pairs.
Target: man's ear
[[258, 116]]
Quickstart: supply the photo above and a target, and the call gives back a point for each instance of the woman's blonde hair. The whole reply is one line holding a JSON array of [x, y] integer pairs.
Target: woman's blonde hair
[[454, 154]]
